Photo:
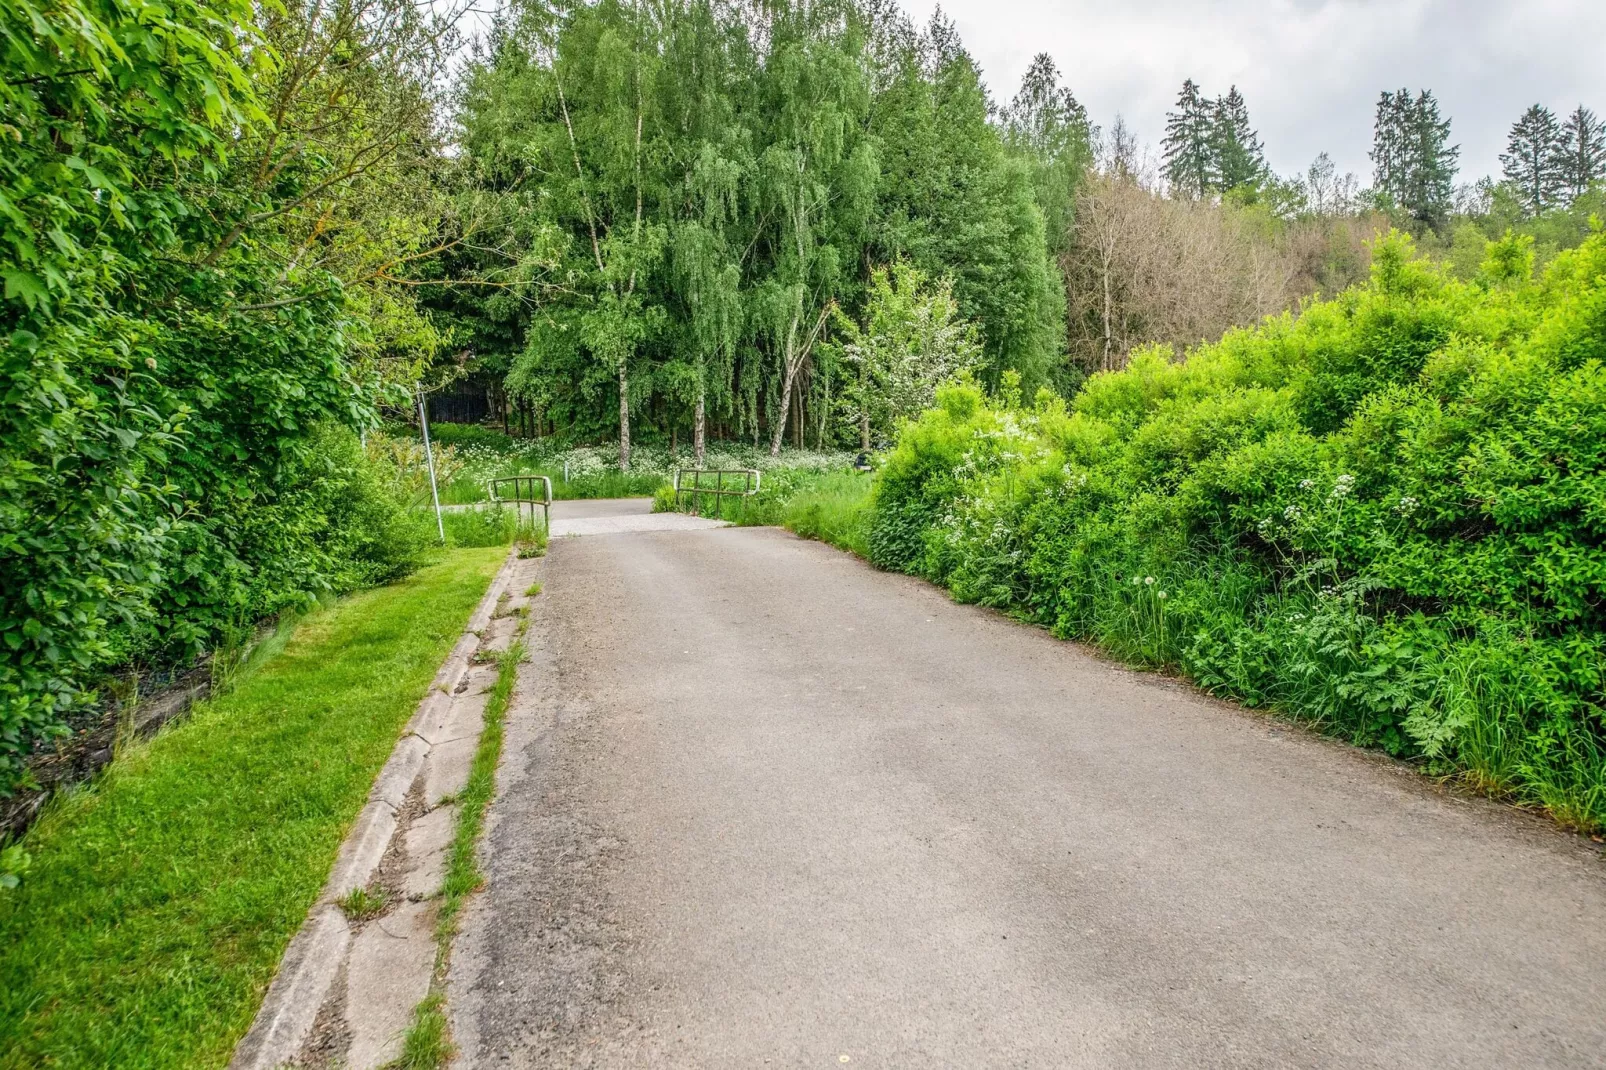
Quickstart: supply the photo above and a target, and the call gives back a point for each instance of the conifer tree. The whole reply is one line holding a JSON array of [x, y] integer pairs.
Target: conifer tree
[[1414, 163], [1388, 143], [1582, 158], [1047, 126], [1430, 184], [1239, 160], [1189, 145], [1534, 162]]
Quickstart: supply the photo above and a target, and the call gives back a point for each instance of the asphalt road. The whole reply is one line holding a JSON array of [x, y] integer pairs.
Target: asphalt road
[[761, 805]]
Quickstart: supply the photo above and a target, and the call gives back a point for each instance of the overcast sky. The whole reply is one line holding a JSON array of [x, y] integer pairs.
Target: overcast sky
[[1311, 70]]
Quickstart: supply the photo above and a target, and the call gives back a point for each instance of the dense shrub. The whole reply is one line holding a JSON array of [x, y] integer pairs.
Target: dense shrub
[[178, 454], [1387, 516]]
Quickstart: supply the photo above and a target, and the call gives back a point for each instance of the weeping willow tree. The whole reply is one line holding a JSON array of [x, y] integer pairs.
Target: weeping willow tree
[[564, 104], [814, 185], [714, 176], [707, 61]]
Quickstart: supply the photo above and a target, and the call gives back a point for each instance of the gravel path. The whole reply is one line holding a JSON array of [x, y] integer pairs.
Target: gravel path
[[762, 805]]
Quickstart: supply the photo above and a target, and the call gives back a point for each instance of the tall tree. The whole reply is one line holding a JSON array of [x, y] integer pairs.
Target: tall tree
[[1047, 126], [1583, 151], [956, 201], [1415, 164], [704, 120], [1388, 143], [816, 179], [568, 102], [1535, 159], [1189, 146], [1238, 160]]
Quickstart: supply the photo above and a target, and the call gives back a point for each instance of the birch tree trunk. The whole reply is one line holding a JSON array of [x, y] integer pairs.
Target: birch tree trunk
[[698, 425], [778, 432], [624, 417]]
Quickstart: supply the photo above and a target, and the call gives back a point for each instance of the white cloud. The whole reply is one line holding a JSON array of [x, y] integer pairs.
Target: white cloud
[[1311, 70]]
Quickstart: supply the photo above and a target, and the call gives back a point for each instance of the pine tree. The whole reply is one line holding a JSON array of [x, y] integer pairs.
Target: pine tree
[[1582, 158], [1388, 145], [1046, 126], [1414, 164], [1190, 156], [1432, 162], [1045, 116], [1239, 160], [1535, 160]]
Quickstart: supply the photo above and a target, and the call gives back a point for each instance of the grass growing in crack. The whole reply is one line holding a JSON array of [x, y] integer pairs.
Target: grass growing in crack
[[427, 1045], [533, 589], [360, 904], [161, 897], [463, 874]]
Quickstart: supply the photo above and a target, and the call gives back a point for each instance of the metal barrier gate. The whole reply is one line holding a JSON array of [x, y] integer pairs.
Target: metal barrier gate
[[741, 488], [527, 490]]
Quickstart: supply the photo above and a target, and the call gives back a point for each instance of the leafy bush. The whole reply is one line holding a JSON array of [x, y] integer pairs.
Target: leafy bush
[[1384, 517], [178, 455]]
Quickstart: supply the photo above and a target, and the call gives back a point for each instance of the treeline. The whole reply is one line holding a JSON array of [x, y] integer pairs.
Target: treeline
[[701, 191], [698, 197], [1207, 237]]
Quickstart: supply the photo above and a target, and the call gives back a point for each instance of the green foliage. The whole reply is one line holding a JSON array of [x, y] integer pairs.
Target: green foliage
[[219, 834], [709, 195], [1047, 126], [491, 525], [1383, 517], [177, 447], [912, 339]]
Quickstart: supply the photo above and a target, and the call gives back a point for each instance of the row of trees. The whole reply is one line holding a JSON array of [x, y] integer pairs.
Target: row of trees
[[1209, 145], [698, 197], [1550, 162], [1210, 149], [700, 191]]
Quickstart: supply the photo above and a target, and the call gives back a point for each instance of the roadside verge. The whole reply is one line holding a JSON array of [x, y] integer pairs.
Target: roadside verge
[[363, 960]]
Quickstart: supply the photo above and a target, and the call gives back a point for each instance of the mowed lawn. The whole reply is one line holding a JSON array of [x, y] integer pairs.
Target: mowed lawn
[[160, 901]]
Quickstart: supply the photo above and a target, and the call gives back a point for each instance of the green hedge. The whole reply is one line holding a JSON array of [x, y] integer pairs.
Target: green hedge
[[1387, 516], [178, 444]]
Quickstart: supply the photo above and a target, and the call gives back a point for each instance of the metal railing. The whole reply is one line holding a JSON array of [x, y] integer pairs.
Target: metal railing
[[526, 490], [738, 483]]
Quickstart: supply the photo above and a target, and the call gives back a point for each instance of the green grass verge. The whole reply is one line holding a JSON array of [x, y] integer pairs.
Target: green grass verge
[[605, 484], [491, 525], [833, 507], [160, 900], [428, 1045]]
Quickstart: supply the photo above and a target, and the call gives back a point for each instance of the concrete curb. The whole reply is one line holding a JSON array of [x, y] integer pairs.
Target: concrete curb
[[315, 955]]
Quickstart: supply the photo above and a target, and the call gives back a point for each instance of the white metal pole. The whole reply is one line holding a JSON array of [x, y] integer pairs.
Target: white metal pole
[[429, 458]]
